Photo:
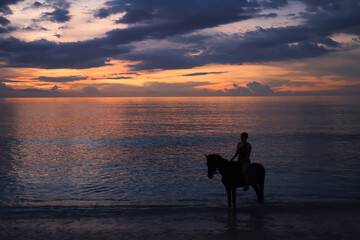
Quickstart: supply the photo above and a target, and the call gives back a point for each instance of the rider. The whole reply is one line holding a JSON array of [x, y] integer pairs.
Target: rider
[[243, 150]]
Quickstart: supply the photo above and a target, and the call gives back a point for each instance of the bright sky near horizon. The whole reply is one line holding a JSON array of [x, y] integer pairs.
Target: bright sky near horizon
[[179, 48]]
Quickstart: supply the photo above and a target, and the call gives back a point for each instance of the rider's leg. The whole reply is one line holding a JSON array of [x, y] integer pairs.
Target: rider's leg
[[246, 180]]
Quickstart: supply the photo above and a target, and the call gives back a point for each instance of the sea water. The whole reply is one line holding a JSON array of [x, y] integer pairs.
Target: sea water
[[121, 154]]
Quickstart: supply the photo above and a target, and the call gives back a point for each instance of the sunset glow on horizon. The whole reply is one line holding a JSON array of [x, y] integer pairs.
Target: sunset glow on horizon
[[145, 48]]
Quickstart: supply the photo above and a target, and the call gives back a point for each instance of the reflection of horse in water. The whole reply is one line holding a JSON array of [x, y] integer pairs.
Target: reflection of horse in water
[[232, 177]]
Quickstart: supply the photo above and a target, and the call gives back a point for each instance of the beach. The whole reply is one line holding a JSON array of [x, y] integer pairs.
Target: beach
[[256, 222]]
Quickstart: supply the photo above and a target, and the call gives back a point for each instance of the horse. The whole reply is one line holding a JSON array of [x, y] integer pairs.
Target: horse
[[232, 177]]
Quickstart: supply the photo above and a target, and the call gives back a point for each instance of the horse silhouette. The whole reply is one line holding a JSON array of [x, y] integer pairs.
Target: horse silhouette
[[232, 177]]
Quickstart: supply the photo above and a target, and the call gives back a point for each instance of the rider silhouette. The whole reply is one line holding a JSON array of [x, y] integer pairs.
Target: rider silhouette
[[243, 151]]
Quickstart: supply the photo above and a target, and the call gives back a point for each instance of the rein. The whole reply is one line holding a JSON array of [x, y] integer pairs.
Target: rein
[[222, 163]]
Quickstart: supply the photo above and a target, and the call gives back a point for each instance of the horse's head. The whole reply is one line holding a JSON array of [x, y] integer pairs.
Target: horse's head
[[212, 164]]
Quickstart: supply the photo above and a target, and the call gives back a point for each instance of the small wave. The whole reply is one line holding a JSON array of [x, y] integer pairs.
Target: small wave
[[116, 211]]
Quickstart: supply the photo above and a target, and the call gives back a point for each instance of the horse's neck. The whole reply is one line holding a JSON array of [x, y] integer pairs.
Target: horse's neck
[[221, 165]]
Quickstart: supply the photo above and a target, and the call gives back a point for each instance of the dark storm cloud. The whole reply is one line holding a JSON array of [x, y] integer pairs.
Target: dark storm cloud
[[293, 34], [237, 91], [91, 90], [201, 74], [4, 21], [196, 39], [164, 30], [328, 5], [47, 54], [137, 11], [273, 3], [4, 80], [135, 16], [54, 88], [121, 77], [126, 73], [117, 78], [3, 30], [4, 9], [231, 52], [34, 28], [58, 15], [7, 29], [102, 13], [60, 79], [163, 59], [333, 16], [259, 89], [37, 4], [311, 39], [61, 4], [273, 44], [4, 5], [3, 87], [6, 91], [251, 89], [170, 20], [269, 15], [34, 54]]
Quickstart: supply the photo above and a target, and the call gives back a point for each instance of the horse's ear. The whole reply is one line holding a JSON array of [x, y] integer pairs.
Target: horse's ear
[[206, 155]]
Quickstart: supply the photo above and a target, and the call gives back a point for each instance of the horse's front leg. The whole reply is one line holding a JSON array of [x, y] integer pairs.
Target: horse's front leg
[[228, 191], [233, 192]]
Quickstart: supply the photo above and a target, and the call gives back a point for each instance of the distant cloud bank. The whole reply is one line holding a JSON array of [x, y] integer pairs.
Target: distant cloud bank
[[155, 36]]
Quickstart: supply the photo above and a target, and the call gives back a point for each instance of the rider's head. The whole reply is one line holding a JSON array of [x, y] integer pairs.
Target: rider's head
[[244, 136]]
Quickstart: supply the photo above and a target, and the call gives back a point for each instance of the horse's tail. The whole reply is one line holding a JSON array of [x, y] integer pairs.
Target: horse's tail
[[261, 183]]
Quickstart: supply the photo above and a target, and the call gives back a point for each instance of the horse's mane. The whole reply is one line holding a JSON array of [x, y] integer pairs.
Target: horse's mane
[[217, 156]]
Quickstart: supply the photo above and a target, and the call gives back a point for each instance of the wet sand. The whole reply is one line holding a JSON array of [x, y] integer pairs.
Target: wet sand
[[255, 222]]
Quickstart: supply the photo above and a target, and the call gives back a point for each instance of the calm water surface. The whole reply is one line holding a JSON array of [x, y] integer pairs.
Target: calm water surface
[[150, 151]]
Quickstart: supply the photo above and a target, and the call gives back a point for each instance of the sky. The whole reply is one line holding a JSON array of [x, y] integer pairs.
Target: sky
[[139, 48]]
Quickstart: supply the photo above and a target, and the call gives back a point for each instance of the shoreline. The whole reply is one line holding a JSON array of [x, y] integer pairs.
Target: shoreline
[[255, 222]]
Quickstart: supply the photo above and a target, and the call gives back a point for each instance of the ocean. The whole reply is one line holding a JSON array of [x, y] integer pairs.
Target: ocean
[[135, 167]]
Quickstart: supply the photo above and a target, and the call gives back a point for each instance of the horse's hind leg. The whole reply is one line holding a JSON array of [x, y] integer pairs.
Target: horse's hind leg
[[228, 191], [233, 191], [258, 192], [261, 188]]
